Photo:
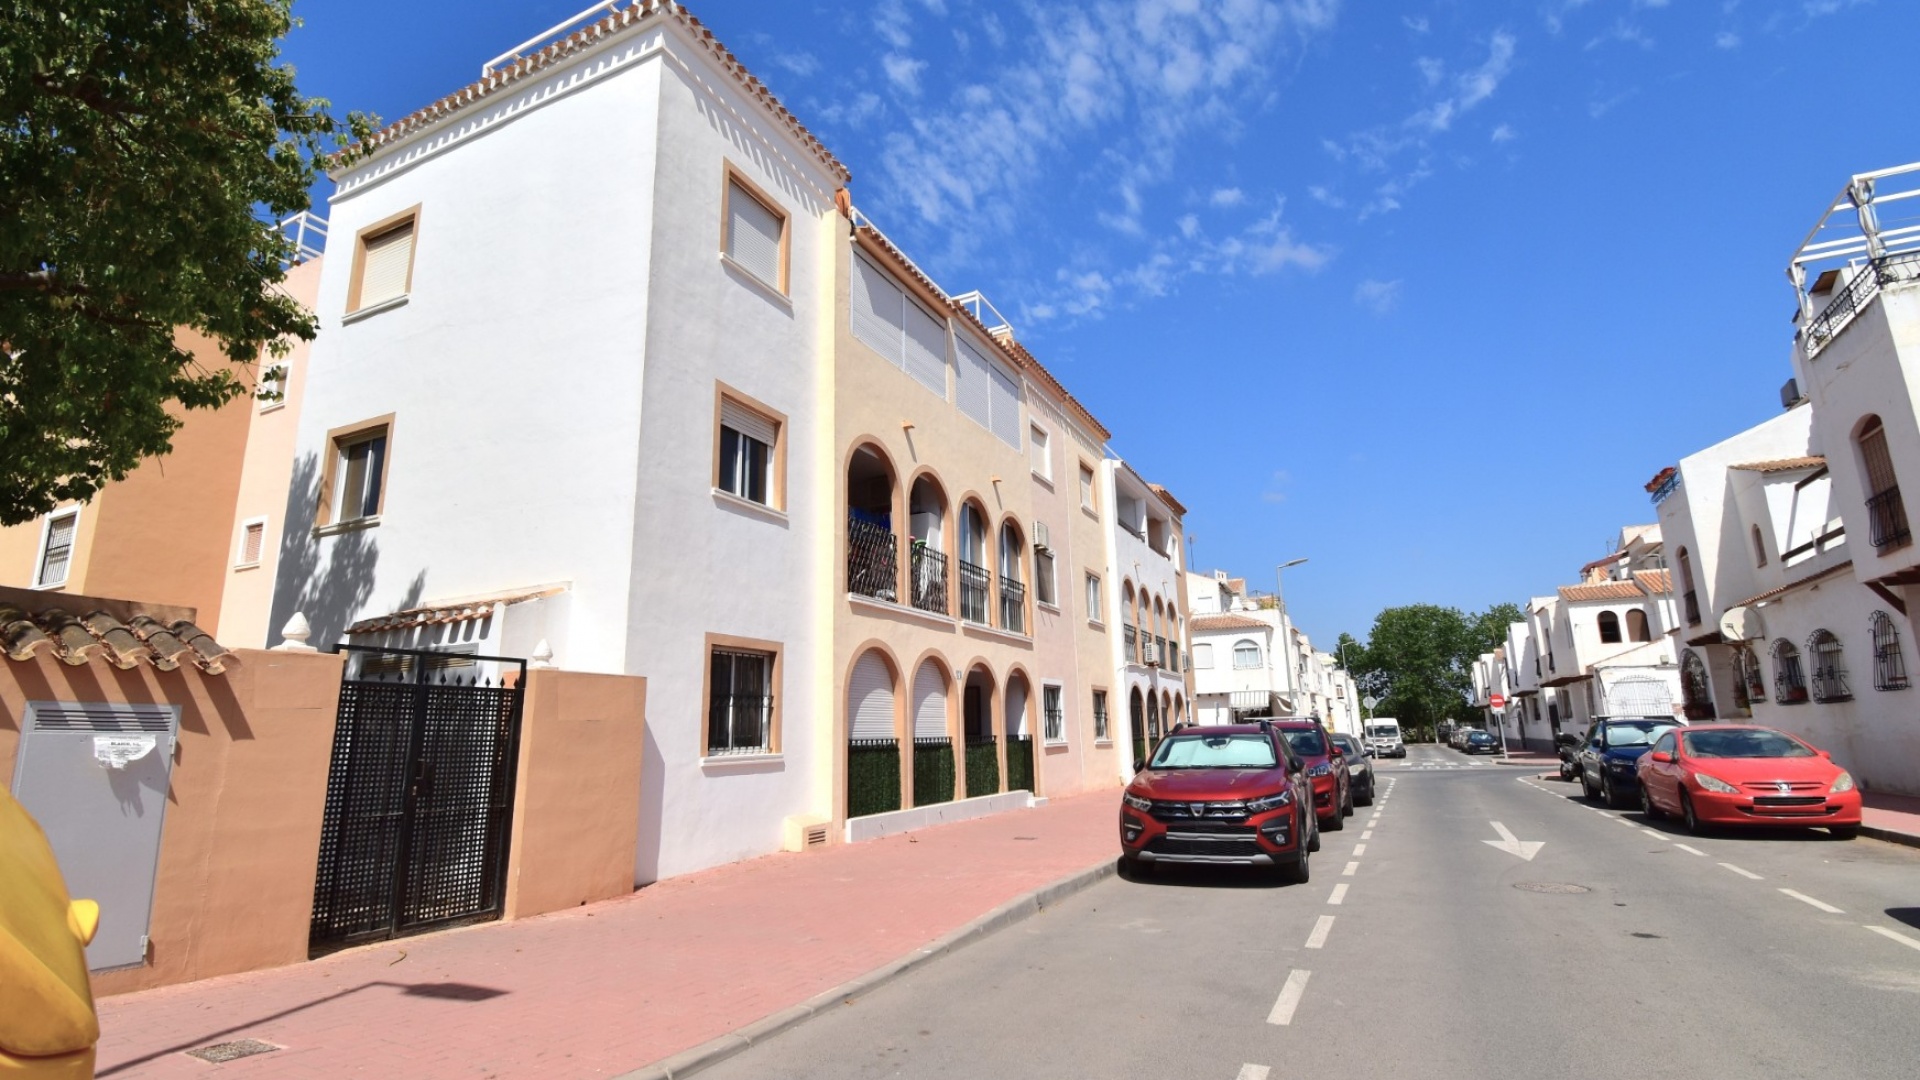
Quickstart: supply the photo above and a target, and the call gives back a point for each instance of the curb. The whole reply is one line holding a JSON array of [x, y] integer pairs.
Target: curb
[[1890, 836], [1019, 909]]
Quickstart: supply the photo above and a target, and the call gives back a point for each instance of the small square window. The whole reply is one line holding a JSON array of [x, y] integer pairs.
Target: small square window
[[1052, 718], [56, 550], [755, 229], [253, 539], [1042, 452], [1100, 716], [1086, 487], [383, 262], [1093, 598], [354, 485], [1043, 583], [747, 461]]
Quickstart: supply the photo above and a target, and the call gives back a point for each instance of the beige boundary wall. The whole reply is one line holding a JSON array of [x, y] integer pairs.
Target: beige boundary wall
[[234, 886]]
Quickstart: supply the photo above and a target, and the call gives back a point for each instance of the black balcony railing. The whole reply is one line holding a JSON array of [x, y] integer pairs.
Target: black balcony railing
[[1160, 653], [1887, 518], [873, 566], [1019, 763], [932, 771], [1850, 301], [928, 576], [1129, 645], [974, 585], [873, 776], [1013, 606], [983, 767], [1691, 600]]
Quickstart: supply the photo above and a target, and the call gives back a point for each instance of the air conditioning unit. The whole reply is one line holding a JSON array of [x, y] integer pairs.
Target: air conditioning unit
[[1042, 540], [1790, 394], [1150, 653]]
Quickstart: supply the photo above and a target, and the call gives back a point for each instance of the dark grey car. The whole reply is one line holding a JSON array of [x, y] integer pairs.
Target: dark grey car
[[1359, 768]]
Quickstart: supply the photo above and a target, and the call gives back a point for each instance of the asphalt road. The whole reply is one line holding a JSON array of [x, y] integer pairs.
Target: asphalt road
[[1417, 951]]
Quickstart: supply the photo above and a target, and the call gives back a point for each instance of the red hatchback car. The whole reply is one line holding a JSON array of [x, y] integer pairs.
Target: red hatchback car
[[1727, 774], [1234, 795], [1326, 771]]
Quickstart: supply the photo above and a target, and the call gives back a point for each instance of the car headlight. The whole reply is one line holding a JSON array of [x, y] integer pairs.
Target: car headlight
[[1138, 803], [1620, 764], [1843, 782], [1714, 783], [1270, 802], [1325, 768]]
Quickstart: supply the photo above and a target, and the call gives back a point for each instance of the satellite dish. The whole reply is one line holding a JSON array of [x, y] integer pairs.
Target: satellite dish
[[1742, 624]]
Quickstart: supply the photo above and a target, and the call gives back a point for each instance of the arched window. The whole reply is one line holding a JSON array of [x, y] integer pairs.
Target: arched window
[[1637, 626], [1889, 667], [1246, 653], [1695, 691], [1885, 512], [974, 577], [1609, 628], [1747, 667], [1013, 594], [1759, 548], [1789, 679], [1829, 667], [1689, 598]]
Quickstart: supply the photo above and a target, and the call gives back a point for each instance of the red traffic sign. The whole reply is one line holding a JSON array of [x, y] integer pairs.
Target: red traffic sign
[[1497, 701]]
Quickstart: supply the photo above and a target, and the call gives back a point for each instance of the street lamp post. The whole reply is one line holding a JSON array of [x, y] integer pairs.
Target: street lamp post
[[1286, 634]]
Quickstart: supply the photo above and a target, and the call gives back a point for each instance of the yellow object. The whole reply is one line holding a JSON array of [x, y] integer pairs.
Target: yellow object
[[47, 1024]]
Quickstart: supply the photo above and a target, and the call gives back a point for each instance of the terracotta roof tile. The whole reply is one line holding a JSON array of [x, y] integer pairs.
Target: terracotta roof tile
[[1237, 585], [1606, 590], [636, 13], [125, 644], [1167, 497], [1655, 582], [1229, 621], [1660, 478], [437, 614], [1782, 464]]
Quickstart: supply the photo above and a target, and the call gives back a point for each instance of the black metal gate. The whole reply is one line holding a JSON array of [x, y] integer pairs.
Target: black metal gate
[[419, 794]]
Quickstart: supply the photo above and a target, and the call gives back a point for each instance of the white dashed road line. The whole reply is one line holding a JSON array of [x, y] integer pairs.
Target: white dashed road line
[[1367, 835], [1289, 999], [1748, 874], [1359, 849], [1901, 938], [1656, 834], [1339, 895], [1253, 1072], [1318, 939], [1811, 902], [1349, 871], [1691, 850]]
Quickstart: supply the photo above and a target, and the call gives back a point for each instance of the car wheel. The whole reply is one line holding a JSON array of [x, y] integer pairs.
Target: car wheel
[[1843, 832], [1334, 823], [1128, 868], [1367, 798], [1687, 815], [1313, 842], [1346, 810], [1586, 785], [1647, 806], [1297, 872], [1607, 794]]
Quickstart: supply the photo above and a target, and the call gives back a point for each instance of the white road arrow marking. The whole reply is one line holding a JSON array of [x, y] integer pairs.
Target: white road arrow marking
[[1526, 849]]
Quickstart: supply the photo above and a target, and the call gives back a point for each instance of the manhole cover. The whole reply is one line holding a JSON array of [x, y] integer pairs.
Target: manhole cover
[[1549, 887], [231, 1051]]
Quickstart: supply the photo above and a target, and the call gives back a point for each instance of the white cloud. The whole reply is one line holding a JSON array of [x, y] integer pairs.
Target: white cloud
[[1504, 133], [803, 64], [1600, 107], [904, 72], [1232, 196], [1379, 297], [1726, 39], [1189, 226], [1431, 70], [1416, 23], [1478, 85], [1276, 487], [1325, 197], [1622, 32]]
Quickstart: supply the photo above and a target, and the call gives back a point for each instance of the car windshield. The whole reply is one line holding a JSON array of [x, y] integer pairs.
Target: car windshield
[[1213, 752], [1635, 734], [1479, 736], [1745, 744], [1345, 742], [1383, 732], [1306, 742]]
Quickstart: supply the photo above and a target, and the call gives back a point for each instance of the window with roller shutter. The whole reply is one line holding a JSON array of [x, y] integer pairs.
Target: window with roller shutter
[[870, 699], [384, 270], [888, 321], [929, 702], [756, 237], [988, 394]]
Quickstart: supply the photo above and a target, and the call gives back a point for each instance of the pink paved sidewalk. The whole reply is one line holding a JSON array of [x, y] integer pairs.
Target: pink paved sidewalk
[[1897, 814], [611, 987]]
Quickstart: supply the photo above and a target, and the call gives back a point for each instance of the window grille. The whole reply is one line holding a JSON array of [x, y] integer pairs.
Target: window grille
[[1889, 667], [1886, 514], [1100, 715], [59, 550], [1752, 682], [1695, 689], [1829, 668], [739, 718], [1789, 680], [1051, 716]]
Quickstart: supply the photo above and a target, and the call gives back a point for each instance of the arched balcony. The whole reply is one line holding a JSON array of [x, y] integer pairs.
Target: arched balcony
[[1013, 589], [927, 559], [975, 580], [873, 551]]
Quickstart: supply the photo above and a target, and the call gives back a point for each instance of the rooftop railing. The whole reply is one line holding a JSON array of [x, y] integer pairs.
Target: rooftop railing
[[1851, 300]]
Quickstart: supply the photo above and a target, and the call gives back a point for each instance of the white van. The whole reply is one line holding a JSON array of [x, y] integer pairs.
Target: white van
[[1383, 737]]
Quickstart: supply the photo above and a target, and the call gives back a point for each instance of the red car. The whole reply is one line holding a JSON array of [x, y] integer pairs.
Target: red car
[[1728, 774], [1233, 795], [1326, 770]]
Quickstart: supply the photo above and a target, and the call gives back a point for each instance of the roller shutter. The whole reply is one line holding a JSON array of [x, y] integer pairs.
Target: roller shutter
[[870, 700], [929, 703]]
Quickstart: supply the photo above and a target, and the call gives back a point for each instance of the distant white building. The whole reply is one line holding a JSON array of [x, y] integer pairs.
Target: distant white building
[[1250, 660]]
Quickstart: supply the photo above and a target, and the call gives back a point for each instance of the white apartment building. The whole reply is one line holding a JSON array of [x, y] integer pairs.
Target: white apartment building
[[568, 389], [1249, 659], [1145, 567]]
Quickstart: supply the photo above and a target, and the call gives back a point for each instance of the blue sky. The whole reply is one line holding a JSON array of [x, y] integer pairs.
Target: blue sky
[[1422, 291]]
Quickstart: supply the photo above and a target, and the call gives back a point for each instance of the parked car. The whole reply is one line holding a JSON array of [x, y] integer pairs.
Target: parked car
[[1326, 768], [1747, 775], [1234, 794], [1459, 739], [1481, 742], [48, 1026], [1608, 755], [1359, 769]]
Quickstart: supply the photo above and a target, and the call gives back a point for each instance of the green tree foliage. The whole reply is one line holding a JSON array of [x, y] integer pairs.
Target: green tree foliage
[[1418, 659], [143, 149]]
